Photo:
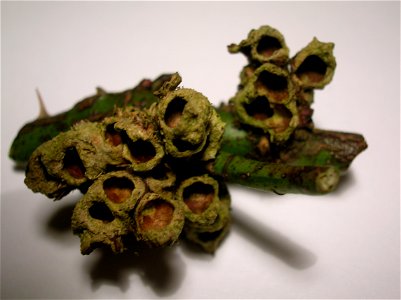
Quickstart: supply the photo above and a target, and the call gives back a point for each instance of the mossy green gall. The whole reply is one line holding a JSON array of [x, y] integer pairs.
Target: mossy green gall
[[103, 216], [314, 65], [265, 44]]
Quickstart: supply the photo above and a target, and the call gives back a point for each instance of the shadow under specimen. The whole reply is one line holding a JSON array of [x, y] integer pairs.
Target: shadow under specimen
[[272, 241], [161, 269]]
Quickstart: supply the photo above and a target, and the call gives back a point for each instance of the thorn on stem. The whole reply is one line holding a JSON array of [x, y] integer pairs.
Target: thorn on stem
[[42, 109]]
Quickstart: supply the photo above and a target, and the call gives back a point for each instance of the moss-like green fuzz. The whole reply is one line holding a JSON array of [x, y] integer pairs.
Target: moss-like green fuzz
[[104, 214], [154, 173], [265, 44], [189, 124], [209, 237], [159, 220], [130, 167], [314, 65]]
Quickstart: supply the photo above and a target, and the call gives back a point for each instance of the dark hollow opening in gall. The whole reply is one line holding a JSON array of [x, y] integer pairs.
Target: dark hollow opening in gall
[[259, 108], [209, 236], [268, 45], [73, 164], [100, 211], [112, 135], [313, 69], [156, 214], [159, 172], [275, 85], [142, 151], [183, 146], [118, 189], [174, 112], [198, 196]]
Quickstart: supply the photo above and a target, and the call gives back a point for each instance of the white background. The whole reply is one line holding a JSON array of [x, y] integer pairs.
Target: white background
[[343, 245]]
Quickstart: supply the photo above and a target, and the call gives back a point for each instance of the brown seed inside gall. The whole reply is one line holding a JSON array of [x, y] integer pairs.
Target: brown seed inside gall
[[275, 86], [73, 164], [174, 112], [198, 197], [118, 189], [113, 136], [157, 214], [282, 119], [268, 45], [312, 70]]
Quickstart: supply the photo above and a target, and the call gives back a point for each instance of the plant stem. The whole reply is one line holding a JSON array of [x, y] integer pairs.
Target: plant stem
[[93, 108], [315, 147], [277, 177], [308, 146]]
